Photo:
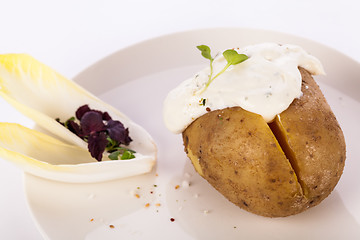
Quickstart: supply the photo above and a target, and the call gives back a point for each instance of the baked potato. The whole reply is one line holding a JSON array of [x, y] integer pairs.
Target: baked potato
[[276, 169]]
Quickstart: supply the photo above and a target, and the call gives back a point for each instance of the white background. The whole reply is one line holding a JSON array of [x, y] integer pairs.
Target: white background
[[71, 35]]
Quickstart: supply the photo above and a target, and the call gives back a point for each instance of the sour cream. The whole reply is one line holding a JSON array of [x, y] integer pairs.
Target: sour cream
[[265, 84]]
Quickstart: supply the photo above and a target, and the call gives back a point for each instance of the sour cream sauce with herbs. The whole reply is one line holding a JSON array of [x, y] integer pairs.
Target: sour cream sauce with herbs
[[265, 84]]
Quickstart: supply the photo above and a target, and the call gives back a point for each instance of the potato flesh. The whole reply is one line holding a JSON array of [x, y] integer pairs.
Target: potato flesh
[[239, 155], [278, 130]]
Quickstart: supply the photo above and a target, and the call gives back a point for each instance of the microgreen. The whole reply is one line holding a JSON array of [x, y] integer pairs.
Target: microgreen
[[112, 145], [231, 56], [100, 132], [205, 52], [68, 122], [122, 153], [127, 155]]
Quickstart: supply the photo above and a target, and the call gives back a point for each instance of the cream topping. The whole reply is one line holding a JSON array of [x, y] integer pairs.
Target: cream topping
[[265, 84]]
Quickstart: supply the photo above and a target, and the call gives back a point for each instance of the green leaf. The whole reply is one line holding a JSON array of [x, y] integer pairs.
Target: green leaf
[[233, 57], [205, 51], [127, 155], [66, 123], [114, 155]]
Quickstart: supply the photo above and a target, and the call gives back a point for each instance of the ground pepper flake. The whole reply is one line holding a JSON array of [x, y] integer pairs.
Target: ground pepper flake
[[147, 205], [91, 220], [177, 186], [172, 219], [111, 226], [158, 204], [137, 195]]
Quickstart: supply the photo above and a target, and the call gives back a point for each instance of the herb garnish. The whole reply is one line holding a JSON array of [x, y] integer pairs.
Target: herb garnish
[[124, 152], [232, 57], [202, 102], [101, 133]]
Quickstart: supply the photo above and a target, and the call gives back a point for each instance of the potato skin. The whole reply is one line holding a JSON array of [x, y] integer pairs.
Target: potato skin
[[314, 135], [238, 154]]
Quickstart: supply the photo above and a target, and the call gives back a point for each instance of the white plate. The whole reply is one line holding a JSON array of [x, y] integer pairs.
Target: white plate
[[136, 80]]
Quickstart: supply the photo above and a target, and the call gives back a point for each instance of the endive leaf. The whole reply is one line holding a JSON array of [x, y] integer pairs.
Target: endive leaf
[[45, 121], [35, 85], [45, 156], [43, 95]]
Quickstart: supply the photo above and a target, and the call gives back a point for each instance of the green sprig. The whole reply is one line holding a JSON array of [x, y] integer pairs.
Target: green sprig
[[206, 53], [123, 153], [231, 56], [66, 123]]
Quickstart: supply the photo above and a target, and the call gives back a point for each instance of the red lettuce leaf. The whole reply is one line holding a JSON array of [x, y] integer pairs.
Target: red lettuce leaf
[[92, 122], [81, 111], [117, 132], [96, 144], [98, 129]]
